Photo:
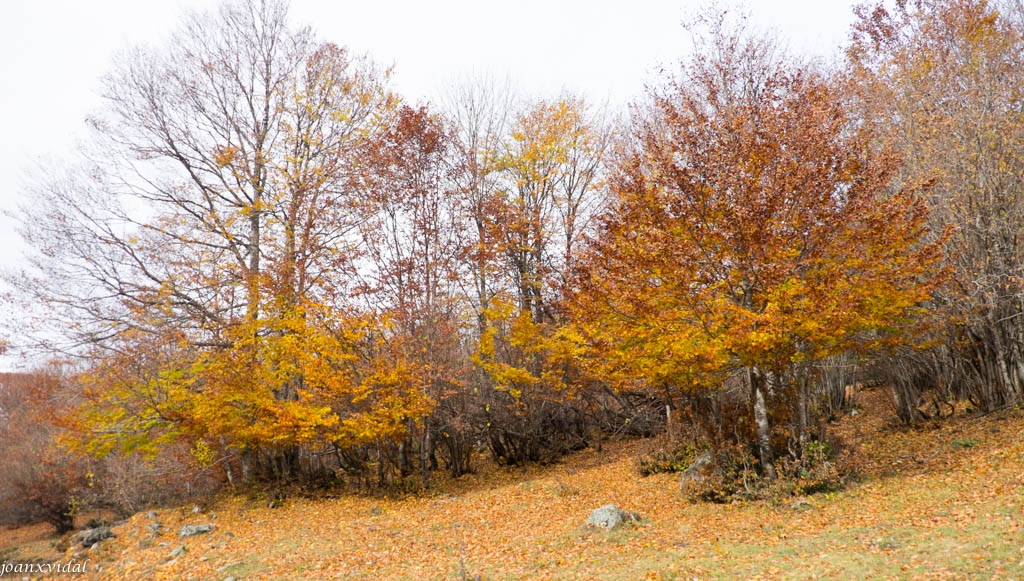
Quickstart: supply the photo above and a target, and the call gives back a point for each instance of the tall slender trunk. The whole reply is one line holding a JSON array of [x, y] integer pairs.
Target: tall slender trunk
[[253, 282], [764, 440], [425, 456], [803, 401]]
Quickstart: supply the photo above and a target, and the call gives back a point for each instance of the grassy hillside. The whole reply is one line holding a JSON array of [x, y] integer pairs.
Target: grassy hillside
[[941, 501]]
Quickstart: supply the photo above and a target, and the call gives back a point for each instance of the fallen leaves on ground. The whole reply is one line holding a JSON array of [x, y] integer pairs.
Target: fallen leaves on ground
[[940, 501]]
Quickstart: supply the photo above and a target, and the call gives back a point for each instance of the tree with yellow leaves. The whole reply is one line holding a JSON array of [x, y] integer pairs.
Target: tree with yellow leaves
[[205, 262], [549, 183]]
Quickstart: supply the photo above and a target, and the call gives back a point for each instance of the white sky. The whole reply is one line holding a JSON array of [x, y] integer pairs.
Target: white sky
[[53, 52]]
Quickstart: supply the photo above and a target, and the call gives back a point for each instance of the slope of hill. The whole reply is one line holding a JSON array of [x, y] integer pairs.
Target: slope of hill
[[940, 501]]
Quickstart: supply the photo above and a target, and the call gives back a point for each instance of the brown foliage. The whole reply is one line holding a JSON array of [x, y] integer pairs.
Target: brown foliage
[[40, 481]]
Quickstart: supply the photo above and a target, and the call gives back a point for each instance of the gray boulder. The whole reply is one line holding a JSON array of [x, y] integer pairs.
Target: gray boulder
[[193, 530], [610, 516], [695, 472], [90, 537]]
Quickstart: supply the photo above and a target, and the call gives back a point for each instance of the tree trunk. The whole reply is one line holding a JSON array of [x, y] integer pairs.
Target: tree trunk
[[246, 459], [764, 439], [803, 401], [425, 447]]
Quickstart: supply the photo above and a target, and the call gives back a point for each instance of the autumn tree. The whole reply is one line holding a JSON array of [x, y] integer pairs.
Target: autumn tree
[[416, 247], [942, 80], [550, 165], [480, 112], [546, 183], [753, 232], [218, 217]]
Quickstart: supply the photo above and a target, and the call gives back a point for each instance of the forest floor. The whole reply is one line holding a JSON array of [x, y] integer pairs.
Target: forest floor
[[940, 501]]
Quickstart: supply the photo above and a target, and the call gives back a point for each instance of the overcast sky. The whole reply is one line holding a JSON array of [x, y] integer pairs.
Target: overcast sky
[[53, 52]]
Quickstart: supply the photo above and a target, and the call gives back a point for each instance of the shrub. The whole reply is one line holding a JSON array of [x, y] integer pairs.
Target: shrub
[[667, 460], [39, 482]]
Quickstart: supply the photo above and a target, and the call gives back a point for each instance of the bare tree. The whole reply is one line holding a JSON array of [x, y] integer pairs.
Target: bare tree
[[943, 80], [220, 174]]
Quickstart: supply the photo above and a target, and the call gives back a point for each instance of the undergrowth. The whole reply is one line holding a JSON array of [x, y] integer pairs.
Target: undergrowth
[[734, 473]]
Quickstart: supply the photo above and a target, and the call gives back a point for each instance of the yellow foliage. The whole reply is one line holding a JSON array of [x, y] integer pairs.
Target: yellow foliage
[[303, 376], [536, 357]]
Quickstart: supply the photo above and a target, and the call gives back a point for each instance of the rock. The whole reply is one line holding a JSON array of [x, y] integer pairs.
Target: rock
[[181, 550], [694, 472], [154, 527], [90, 537], [195, 509], [193, 530], [801, 505], [610, 516], [151, 514]]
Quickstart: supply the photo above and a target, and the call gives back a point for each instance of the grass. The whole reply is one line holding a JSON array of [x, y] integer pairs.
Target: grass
[[924, 507]]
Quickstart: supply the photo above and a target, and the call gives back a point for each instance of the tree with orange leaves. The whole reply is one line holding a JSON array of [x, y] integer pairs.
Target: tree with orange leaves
[[753, 231]]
